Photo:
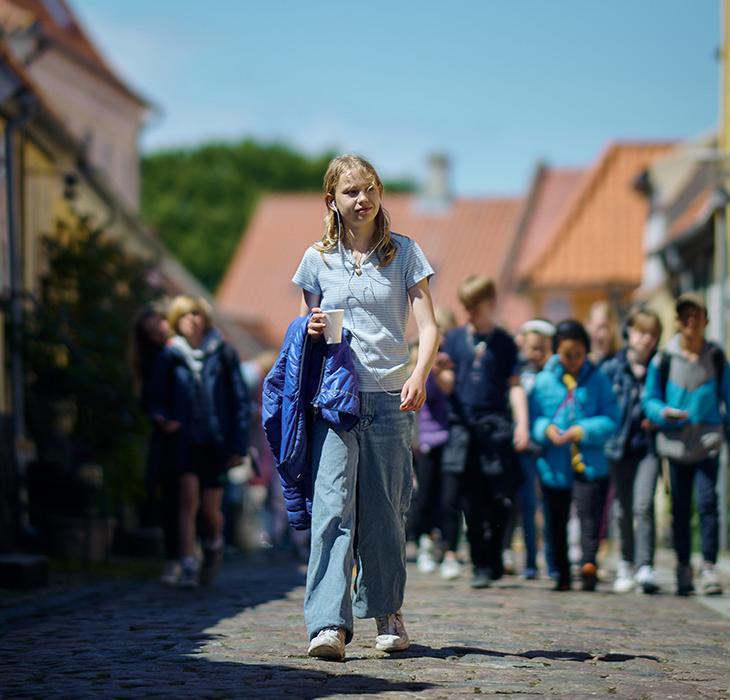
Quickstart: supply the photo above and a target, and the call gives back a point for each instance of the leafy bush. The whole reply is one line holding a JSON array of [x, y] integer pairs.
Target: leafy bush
[[81, 404]]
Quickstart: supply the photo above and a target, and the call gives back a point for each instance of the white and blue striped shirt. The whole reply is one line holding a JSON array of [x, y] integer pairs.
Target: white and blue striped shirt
[[376, 306]]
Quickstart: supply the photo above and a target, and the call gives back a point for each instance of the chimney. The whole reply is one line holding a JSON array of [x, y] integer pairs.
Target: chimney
[[436, 195]]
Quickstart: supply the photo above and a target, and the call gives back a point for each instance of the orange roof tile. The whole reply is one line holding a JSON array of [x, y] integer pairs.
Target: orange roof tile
[[471, 236], [599, 238], [553, 192], [62, 27]]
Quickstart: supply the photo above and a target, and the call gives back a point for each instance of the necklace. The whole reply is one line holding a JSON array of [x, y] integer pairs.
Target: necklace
[[359, 259]]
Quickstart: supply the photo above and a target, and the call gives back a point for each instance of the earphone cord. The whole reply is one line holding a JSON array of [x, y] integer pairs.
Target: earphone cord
[[363, 305]]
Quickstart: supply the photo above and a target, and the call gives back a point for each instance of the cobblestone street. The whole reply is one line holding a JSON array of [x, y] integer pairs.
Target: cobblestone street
[[244, 637]]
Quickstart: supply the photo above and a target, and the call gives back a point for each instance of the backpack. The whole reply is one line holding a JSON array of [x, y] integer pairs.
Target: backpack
[[692, 443], [718, 362]]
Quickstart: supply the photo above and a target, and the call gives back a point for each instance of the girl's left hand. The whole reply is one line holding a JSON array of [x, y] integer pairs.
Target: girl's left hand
[[413, 394]]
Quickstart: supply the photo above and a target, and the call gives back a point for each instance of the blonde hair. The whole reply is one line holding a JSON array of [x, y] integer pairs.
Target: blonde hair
[[385, 248], [645, 320], [476, 288], [605, 309], [445, 319], [185, 304]]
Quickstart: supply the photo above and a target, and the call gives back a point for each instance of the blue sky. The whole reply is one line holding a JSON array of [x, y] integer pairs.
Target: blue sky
[[496, 85]]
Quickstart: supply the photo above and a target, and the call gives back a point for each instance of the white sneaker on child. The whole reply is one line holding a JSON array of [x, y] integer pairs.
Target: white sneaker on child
[[426, 561], [392, 635], [190, 575], [450, 569], [172, 573], [709, 580], [646, 578], [624, 581]]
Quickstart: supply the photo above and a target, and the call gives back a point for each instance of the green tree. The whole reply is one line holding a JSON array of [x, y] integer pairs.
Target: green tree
[[201, 199]]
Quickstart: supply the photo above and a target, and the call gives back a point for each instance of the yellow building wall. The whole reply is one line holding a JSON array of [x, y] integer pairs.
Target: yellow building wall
[[43, 205]]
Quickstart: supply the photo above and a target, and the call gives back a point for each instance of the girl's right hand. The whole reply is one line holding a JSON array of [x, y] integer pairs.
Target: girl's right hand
[[556, 436], [315, 327]]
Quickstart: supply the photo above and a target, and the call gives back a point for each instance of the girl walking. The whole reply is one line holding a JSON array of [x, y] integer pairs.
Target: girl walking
[[574, 413], [362, 477], [199, 398]]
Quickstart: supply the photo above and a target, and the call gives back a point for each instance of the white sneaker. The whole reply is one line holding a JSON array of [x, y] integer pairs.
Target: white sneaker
[[392, 635], [646, 578], [190, 574], [624, 581], [709, 580], [508, 562], [172, 573], [426, 563], [328, 644], [425, 559], [450, 569]]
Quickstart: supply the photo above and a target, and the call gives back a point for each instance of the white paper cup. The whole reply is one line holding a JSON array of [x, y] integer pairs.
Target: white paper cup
[[333, 325]]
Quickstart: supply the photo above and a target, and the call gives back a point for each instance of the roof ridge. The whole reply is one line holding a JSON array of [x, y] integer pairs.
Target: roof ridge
[[577, 199], [593, 177]]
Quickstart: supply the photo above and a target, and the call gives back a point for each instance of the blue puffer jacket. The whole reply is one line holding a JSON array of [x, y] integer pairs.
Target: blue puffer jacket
[[307, 375], [593, 408]]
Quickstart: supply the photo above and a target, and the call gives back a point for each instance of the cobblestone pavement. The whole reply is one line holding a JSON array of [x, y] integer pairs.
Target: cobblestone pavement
[[244, 638]]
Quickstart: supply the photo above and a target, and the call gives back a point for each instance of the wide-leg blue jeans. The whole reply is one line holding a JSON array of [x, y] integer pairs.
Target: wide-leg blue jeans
[[362, 490]]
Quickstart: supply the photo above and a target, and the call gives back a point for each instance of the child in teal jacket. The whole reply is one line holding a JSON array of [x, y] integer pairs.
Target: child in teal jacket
[[573, 413]]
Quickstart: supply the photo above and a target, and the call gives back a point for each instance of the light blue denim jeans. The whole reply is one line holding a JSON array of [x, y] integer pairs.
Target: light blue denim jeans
[[362, 490]]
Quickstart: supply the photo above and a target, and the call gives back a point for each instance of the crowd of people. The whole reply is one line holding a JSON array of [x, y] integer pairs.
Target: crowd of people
[[548, 432], [602, 421]]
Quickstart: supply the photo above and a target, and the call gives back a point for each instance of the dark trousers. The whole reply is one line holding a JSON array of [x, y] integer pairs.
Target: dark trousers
[[485, 510], [684, 477], [590, 502], [170, 511], [557, 513], [425, 514], [163, 488]]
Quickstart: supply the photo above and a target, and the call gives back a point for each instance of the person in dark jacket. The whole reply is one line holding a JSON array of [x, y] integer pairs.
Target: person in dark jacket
[[480, 468], [151, 332], [630, 450], [200, 398], [432, 428]]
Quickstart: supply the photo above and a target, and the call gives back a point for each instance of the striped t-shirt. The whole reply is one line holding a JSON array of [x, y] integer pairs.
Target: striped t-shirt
[[376, 306]]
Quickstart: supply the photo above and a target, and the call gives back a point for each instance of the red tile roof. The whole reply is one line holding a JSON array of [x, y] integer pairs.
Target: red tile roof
[[552, 194], [599, 238], [470, 236], [68, 35]]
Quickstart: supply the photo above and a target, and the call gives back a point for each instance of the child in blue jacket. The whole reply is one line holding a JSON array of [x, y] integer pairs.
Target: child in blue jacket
[[687, 387], [573, 413]]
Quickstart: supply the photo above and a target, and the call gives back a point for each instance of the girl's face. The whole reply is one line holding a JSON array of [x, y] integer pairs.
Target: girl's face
[[536, 349], [357, 199], [642, 342], [191, 326], [600, 331], [572, 354], [156, 328]]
